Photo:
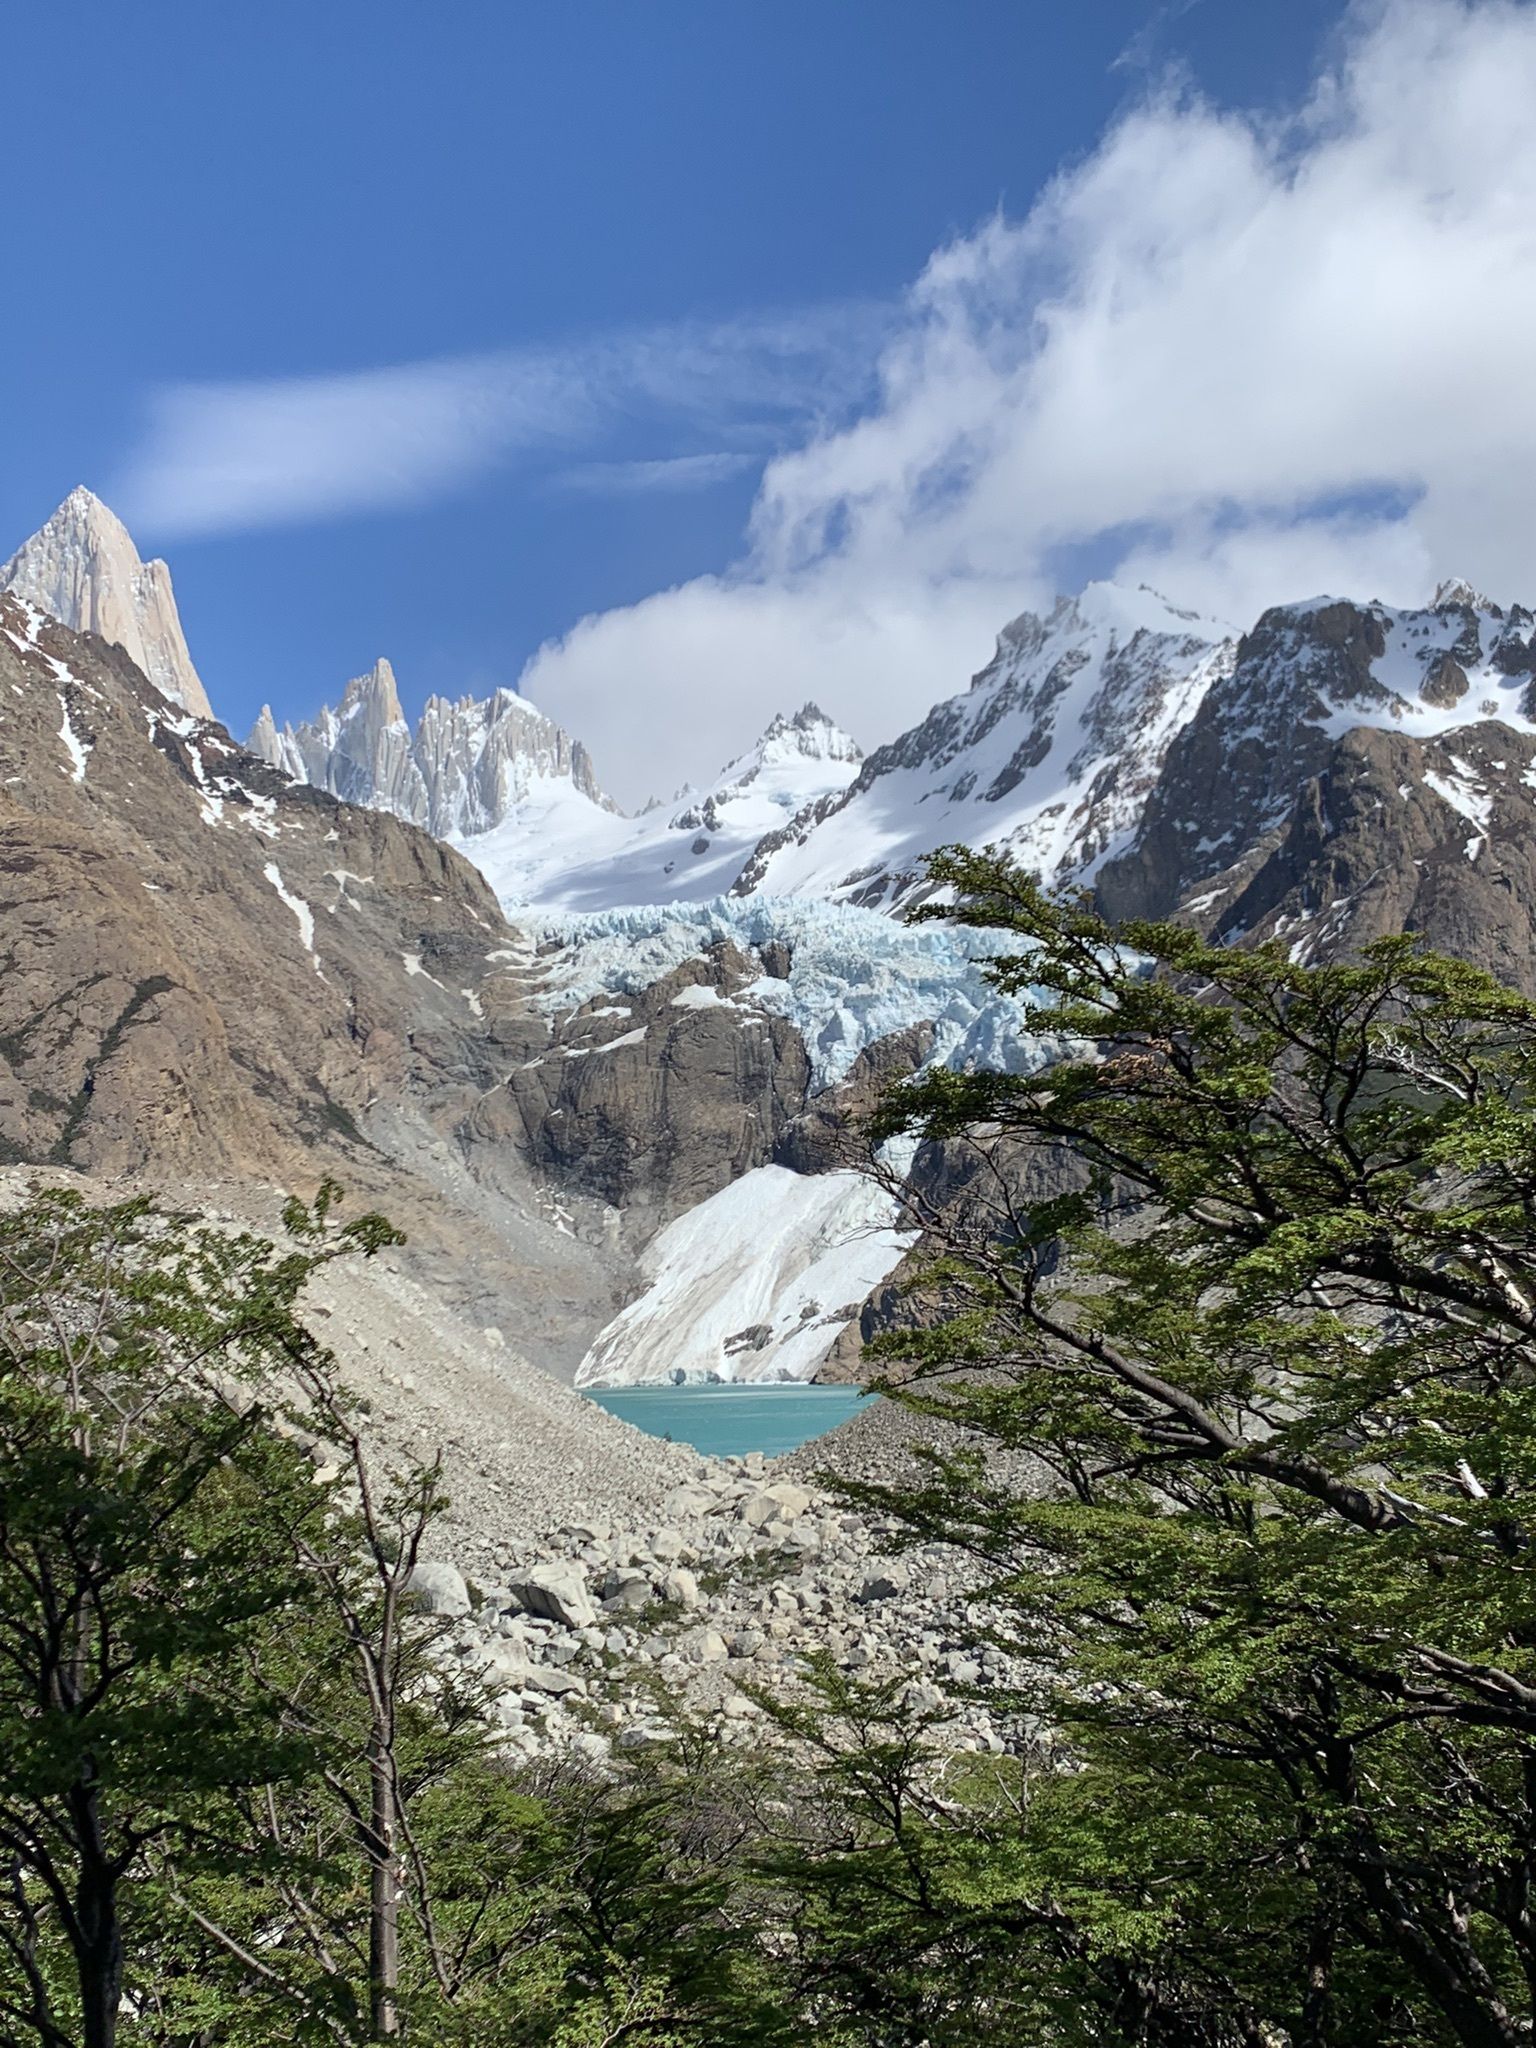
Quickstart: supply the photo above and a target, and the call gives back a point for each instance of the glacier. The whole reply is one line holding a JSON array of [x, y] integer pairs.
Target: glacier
[[855, 975], [562, 856], [755, 1283]]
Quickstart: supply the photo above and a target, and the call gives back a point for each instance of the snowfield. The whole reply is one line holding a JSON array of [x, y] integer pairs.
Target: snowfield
[[754, 1284], [559, 852]]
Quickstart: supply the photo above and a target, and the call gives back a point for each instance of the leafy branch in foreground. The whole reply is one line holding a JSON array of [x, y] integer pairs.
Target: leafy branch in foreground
[[1246, 1279], [148, 1521]]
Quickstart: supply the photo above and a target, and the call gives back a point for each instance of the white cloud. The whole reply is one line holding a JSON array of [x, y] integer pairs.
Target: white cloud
[[667, 473], [228, 457], [1245, 358], [222, 456]]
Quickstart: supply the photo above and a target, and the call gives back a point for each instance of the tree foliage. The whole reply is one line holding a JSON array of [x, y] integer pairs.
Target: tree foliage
[[1229, 1295], [244, 1797], [148, 1518], [1264, 1357]]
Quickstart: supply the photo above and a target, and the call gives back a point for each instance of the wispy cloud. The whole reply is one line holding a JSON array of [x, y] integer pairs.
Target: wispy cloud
[[1245, 359], [230, 456], [667, 473], [1145, 49]]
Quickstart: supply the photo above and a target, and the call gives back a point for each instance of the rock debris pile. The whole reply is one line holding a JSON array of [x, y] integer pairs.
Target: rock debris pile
[[585, 1637]]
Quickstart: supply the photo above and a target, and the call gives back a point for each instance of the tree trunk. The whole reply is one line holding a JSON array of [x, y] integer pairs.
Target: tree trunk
[[1463, 1994], [97, 1937], [99, 1961], [101, 1988], [384, 1894], [1318, 2001]]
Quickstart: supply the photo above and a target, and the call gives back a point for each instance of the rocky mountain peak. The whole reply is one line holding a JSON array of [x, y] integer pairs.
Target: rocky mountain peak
[[1051, 751], [82, 568], [469, 764], [810, 735], [373, 696], [265, 741], [1457, 590], [1306, 675]]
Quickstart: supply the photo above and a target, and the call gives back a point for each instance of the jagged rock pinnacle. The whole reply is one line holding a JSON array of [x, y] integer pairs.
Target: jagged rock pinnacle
[[82, 568]]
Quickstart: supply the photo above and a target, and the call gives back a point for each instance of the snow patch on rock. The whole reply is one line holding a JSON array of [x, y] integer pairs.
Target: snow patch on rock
[[296, 904]]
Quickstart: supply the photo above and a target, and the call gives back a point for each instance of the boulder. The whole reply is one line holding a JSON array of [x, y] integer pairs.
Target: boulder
[[687, 1503], [642, 1736], [554, 1684], [629, 1596], [705, 1646], [556, 1591], [887, 1582], [506, 1664], [437, 1588], [781, 1503]]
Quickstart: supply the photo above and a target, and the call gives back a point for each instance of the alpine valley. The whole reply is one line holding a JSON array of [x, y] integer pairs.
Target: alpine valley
[[595, 1059], [606, 1071]]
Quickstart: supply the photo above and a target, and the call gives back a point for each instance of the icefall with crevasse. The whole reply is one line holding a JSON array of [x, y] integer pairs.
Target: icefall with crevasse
[[855, 976]]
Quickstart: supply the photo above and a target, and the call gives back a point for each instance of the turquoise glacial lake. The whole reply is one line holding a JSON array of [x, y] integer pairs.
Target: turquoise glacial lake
[[727, 1422]]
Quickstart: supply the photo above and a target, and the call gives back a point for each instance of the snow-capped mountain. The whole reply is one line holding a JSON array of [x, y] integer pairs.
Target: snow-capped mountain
[[468, 766], [1050, 752], [656, 1052], [82, 568], [566, 861], [1305, 676]]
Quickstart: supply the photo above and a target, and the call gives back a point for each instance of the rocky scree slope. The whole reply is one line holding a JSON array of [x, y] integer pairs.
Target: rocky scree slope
[[733, 1581]]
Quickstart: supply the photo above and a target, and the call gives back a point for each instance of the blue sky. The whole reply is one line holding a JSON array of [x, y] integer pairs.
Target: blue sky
[[430, 331]]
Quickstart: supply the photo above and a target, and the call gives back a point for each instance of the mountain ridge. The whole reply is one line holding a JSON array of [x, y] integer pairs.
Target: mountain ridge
[[579, 1028], [467, 765]]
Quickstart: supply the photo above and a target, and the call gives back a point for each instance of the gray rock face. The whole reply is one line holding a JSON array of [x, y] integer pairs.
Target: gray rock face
[[826, 1135], [1396, 834], [1302, 677], [466, 767], [197, 974], [652, 1104], [83, 569]]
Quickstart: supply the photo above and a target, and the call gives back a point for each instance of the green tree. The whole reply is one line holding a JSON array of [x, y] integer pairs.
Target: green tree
[[1247, 1470], [244, 1799], [148, 1521]]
